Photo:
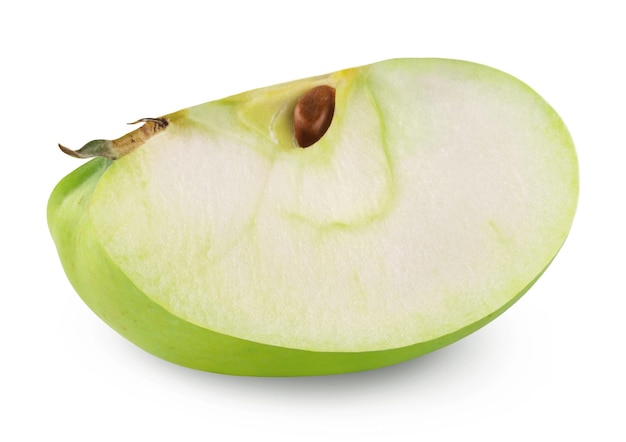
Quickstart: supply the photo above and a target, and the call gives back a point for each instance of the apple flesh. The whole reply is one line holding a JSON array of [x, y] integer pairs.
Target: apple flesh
[[434, 197]]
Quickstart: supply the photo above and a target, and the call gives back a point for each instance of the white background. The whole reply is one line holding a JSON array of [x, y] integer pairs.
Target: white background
[[551, 368]]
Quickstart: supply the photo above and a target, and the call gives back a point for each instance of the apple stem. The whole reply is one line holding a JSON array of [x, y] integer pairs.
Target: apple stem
[[115, 149]]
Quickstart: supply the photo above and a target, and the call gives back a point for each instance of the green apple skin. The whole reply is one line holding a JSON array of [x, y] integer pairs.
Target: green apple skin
[[109, 293]]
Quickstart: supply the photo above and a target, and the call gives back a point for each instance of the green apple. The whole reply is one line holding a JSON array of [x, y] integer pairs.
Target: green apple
[[328, 225]]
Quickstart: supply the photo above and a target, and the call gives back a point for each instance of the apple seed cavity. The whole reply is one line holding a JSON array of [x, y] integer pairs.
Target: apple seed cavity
[[313, 115]]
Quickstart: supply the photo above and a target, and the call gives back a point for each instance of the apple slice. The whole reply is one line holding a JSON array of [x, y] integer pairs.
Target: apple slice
[[333, 224]]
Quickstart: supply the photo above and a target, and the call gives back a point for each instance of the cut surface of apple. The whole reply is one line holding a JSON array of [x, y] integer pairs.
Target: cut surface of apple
[[439, 192]]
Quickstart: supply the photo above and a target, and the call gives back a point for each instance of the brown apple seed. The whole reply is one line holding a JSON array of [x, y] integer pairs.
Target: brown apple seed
[[313, 115]]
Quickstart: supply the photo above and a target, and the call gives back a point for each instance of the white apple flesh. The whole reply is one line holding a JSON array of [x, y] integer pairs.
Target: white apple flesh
[[439, 193]]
